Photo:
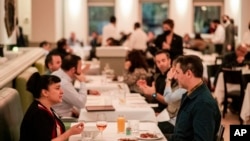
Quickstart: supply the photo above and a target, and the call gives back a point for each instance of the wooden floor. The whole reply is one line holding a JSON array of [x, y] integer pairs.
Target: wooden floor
[[230, 119]]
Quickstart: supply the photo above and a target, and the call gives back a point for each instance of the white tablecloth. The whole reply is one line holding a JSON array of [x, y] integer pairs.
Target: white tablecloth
[[110, 133], [219, 89], [97, 82], [245, 109], [134, 108], [94, 67]]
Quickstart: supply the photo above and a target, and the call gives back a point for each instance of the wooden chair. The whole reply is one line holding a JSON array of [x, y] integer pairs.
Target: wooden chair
[[11, 115], [218, 60], [233, 77], [220, 133], [212, 71]]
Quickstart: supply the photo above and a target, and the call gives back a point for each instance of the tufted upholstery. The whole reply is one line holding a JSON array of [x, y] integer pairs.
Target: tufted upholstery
[[40, 65], [20, 85], [11, 115]]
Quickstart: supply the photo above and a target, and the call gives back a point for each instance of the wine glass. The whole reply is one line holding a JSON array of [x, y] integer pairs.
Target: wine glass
[[101, 122]]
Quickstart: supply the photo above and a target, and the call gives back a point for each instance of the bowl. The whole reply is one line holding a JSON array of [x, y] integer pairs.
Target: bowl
[[90, 132]]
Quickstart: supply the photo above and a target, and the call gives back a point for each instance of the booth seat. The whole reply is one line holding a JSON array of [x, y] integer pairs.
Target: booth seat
[[20, 85], [11, 115], [40, 65]]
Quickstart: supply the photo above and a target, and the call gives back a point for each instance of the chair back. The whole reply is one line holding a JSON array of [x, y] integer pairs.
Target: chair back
[[212, 71], [220, 133], [218, 60], [11, 115], [20, 85], [232, 77]]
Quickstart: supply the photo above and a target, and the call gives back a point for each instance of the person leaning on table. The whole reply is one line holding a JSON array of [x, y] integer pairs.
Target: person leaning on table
[[40, 122], [199, 116]]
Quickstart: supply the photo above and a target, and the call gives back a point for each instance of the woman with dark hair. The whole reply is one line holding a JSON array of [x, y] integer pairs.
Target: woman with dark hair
[[136, 68], [63, 48], [40, 122]]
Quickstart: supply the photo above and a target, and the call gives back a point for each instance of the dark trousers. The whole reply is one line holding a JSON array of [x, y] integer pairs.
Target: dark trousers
[[218, 48], [166, 128]]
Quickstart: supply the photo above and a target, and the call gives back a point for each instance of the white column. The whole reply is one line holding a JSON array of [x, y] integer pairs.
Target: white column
[[181, 11], [243, 24], [127, 13], [4, 38], [75, 19], [45, 19], [238, 10]]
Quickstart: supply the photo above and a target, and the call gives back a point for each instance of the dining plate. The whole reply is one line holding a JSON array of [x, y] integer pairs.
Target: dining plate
[[149, 136]]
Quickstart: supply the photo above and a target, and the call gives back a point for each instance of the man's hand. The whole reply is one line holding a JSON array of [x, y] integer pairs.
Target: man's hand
[[141, 83], [80, 77], [171, 73], [229, 47], [147, 90], [127, 65], [86, 68], [240, 59]]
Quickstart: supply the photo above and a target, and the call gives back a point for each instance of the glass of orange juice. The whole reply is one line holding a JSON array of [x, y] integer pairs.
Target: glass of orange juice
[[120, 124]]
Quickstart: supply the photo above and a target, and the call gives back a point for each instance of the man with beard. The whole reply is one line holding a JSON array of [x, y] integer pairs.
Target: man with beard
[[170, 41], [163, 63]]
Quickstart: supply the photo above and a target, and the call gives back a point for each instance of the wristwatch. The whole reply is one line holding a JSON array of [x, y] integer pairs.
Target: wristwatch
[[169, 79], [154, 95]]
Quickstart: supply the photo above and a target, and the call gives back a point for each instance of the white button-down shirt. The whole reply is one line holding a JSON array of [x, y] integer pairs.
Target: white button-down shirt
[[108, 31], [219, 35], [71, 97], [138, 40]]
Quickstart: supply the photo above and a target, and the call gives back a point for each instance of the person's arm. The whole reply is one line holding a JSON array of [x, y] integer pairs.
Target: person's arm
[[170, 96], [203, 122], [76, 129], [71, 96], [150, 91]]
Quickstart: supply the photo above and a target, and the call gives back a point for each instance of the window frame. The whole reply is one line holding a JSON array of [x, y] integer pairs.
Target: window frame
[[219, 3], [150, 1], [104, 3]]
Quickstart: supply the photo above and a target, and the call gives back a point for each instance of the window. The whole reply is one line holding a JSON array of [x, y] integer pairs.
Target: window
[[153, 14], [99, 13], [204, 13]]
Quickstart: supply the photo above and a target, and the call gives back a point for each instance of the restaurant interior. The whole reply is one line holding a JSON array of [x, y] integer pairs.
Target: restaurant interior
[[27, 26]]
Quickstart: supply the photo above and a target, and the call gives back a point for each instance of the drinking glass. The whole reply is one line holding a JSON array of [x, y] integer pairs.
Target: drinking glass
[[101, 122]]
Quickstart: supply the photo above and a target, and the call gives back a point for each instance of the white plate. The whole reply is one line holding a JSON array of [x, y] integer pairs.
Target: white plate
[[159, 136]]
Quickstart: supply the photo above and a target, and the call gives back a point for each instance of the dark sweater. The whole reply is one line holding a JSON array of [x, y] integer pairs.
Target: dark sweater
[[38, 124]]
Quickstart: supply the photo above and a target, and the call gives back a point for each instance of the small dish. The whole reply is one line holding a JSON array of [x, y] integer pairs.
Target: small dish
[[149, 135]]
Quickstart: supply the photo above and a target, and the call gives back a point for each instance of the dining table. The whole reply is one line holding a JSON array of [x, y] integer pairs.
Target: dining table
[[245, 108], [219, 92], [110, 133], [134, 108], [102, 83]]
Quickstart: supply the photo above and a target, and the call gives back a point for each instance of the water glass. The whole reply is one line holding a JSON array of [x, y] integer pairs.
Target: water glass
[[87, 135], [122, 96], [134, 125]]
